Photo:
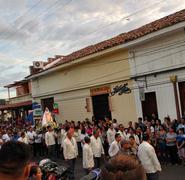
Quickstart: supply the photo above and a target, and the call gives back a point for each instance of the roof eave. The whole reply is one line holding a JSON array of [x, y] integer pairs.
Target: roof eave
[[127, 45]]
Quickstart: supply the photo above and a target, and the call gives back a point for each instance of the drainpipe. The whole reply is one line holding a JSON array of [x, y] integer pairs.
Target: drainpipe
[[173, 79]]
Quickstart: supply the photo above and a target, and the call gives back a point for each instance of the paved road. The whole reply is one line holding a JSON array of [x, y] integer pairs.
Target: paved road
[[172, 173], [168, 172]]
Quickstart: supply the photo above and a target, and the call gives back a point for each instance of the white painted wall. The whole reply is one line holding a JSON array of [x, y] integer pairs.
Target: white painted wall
[[164, 93], [164, 53]]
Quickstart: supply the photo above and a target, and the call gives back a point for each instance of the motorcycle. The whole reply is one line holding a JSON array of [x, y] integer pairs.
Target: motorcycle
[[52, 171]]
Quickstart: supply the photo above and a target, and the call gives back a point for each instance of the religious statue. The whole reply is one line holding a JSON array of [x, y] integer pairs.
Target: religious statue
[[47, 118]]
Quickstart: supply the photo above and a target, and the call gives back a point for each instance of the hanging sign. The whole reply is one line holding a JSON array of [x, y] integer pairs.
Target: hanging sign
[[37, 110], [55, 108], [142, 93], [121, 89], [100, 90]]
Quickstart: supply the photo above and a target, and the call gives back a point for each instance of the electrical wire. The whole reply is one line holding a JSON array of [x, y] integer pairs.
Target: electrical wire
[[130, 58], [125, 17], [36, 17], [23, 15], [132, 89], [121, 19], [86, 84]]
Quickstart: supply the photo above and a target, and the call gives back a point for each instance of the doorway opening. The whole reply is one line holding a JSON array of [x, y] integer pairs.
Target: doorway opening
[[149, 106], [101, 107], [48, 102], [182, 96]]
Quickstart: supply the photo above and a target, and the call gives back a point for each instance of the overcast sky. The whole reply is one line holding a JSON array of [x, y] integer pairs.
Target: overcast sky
[[37, 29]]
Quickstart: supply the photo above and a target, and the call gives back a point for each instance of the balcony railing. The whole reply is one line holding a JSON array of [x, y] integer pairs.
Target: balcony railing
[[17, 99]]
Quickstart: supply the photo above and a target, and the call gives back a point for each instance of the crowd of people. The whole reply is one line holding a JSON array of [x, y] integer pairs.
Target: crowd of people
[[103, 140]]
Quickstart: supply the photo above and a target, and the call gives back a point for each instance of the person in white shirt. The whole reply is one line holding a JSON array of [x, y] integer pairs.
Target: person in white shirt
[[97, 147], [31, 139], [115, 146], [114, 123], [50, 141], [148, 158], [23, 138], [70, 151], [122, 132], [111, 134], [6, 137], [1, 141], [82, 136], [88, 161], [38, 143], [131, 133], [77, 134], [63, 136], [31, 136]]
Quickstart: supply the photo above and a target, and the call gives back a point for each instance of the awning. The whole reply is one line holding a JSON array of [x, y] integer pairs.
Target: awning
[[15, 105]]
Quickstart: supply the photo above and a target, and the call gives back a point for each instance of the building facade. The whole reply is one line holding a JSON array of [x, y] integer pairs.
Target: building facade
[[157, 65], [149, 61], [18, 107], [82, 88]]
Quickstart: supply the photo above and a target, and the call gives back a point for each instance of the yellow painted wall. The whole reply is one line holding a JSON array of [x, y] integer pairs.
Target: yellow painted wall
[[124, 108], [97, 71], [103, 70]]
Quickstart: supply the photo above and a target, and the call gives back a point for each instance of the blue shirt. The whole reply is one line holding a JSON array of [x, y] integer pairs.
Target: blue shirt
[[180, 139]]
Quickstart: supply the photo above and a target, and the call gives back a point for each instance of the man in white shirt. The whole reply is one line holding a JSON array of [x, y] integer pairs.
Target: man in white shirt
[[63, 136], [148, 158], [131, 133], [31, 136], [111, 134], [115, 146], [23, 138], [97, 147], [6, 137], [38, 143], [88, 161], [70, 151], [50, 141], [122, 132], [31, 139]]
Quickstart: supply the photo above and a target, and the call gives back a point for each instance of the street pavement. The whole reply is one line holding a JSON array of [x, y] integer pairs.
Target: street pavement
[[168, 172], [172, 172]]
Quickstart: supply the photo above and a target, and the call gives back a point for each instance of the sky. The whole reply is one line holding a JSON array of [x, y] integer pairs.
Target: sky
[[33, 30]]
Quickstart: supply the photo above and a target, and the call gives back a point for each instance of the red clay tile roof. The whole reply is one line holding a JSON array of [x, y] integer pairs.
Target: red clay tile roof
[[126, 37]]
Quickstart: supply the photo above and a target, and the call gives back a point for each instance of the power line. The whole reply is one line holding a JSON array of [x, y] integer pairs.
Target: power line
[[36, 16], [123, 78], [140, 55], [132, 88], [126, 69], [26, 12], [121, 19], [125, 17]]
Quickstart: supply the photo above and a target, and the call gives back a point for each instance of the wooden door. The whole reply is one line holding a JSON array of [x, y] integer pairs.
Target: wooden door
[[182, 96], [149, 106], [101, 106]]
